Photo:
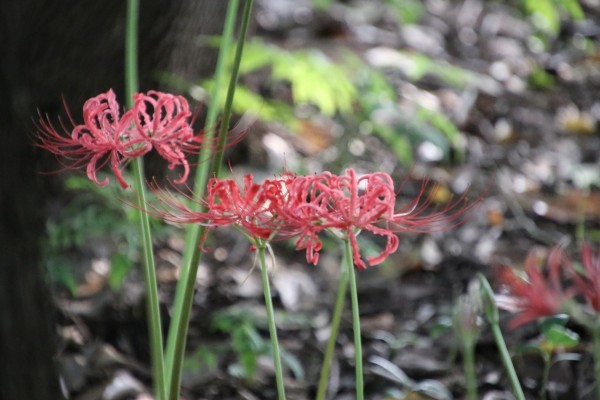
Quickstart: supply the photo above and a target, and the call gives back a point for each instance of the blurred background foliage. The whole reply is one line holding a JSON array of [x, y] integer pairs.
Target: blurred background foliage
[[359, 95], [98, 222]]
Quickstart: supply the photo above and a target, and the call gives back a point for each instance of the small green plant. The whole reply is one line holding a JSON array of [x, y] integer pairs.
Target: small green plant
[[552, 345], [246, 341], [242, 325]]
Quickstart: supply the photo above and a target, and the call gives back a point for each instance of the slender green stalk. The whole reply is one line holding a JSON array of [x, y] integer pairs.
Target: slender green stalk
[[469, 368], [131, 51], [272, 327], [185, 289], [507, 361], [547, 360], [596, 338], [218, 159], [152, 302], [335, 328], [153, 306], [215, 95], [355, 321], [179, 323], [490, 310]]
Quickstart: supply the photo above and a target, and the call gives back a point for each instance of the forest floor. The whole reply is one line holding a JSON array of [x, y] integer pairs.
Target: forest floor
[[526, 108]]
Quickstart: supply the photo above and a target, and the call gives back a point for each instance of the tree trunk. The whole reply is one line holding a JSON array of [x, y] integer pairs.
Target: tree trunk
[[72, 49]]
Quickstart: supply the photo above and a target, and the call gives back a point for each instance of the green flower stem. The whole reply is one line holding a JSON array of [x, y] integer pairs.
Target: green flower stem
[[152, 302], [469, 368], [335, 328], [215, 96], [181, 313], [547, 360], [596, 338], [131, 51], [153, 306], [355, 321], [272, 326], [507, 361], [185, 289], [490, 310], [218, 159]]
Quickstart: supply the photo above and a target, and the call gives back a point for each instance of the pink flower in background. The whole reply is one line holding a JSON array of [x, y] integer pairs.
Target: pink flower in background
[[588, 283], [536, 295]]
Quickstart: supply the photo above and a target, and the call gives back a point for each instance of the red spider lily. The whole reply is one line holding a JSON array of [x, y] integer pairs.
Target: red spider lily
[[157, 120], [589, 283], [415, 217], [536, 296], [103, 137], [301, 207], [260, 211], [336, 202], [351, 204], [248, 207], [304, 206], [163, 122]]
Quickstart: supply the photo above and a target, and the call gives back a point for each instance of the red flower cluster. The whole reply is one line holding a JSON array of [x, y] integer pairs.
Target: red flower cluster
[[305, 206], [588, 283], [157, 120], [540, 295]]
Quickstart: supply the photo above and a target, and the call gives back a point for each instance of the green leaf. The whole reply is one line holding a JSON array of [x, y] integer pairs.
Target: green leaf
[[322, 4], [560, 336], [549, 322], [120, 267], [441, 122], [315, 79], [399, 143], [257, 55], [573, 8], [292, 362], [540, 79], [527, 348], [244, 346], [409, 11], [544, 14], [61, 272], [202, 355], [417, 65], [433, 389]]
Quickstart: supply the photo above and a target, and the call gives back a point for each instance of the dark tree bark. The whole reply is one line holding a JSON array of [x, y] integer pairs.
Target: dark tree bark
[[73, 49]]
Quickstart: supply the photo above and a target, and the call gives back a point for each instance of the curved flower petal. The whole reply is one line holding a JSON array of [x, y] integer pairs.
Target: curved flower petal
[[102, 137], [536, 295]]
